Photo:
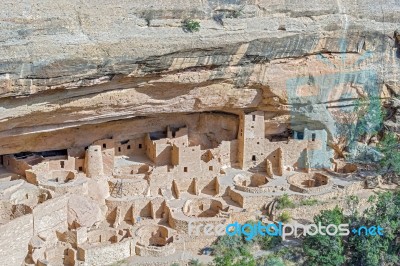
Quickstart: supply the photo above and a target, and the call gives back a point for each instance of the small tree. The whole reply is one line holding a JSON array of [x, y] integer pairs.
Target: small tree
[[389, 146], [352, 203], [325, 249], [190, 25], [272, 261], [379, 249]]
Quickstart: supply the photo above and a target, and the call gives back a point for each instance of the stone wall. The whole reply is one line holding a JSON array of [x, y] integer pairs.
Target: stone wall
[[236, 197], [99, 255], [152, 251], [15, 237], [131, 147], [127, 187], [51, 216], [62, 164], [15, 165]]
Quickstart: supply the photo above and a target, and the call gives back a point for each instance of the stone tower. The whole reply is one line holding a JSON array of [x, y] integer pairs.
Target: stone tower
[[251, 139], [94, 161]]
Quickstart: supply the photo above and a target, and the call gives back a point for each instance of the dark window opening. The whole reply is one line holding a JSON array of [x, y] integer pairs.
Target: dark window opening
[[313, 136], [129, 147], [62, 164], [300, 135], [253, 158], [210, 168], [119, 149], [53, 153], [254, 117], [80, 168], [140, 146], [185, 169], [104, 146]]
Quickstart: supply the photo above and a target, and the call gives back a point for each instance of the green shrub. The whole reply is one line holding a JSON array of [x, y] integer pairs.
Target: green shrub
[[326, 249], [190, 25], [285, 202], [195, 262], [377, 250], [273, 261], [236, 250], [390, 147], [285, 217], [309, 202]]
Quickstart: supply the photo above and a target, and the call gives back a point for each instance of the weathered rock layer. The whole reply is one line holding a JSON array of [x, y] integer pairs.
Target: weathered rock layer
[[69, 65]]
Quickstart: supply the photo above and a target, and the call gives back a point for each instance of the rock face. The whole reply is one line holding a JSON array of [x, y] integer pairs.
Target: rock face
[[125, 123], [69, 65], [373, 181]]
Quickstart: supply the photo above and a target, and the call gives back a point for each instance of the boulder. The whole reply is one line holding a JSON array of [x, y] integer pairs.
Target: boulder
[[373, 181]]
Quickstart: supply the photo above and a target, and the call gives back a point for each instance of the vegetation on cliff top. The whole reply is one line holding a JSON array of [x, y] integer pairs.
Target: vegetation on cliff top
[[190, 25]]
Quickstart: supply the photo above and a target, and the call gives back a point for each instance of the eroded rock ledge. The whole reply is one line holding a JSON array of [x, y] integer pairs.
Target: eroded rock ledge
[[65, 65]]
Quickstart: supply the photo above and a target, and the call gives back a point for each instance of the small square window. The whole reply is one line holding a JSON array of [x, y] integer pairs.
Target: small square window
[[140, 146], [129, 147], [185, 169], [80, 168], [253, 158], [313, 136], [104, 145], [211, 168], [62, 164], [119, 149]]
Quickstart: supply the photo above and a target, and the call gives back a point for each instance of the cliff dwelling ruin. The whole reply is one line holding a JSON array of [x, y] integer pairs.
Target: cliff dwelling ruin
[[144, 191], [123, 124]]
